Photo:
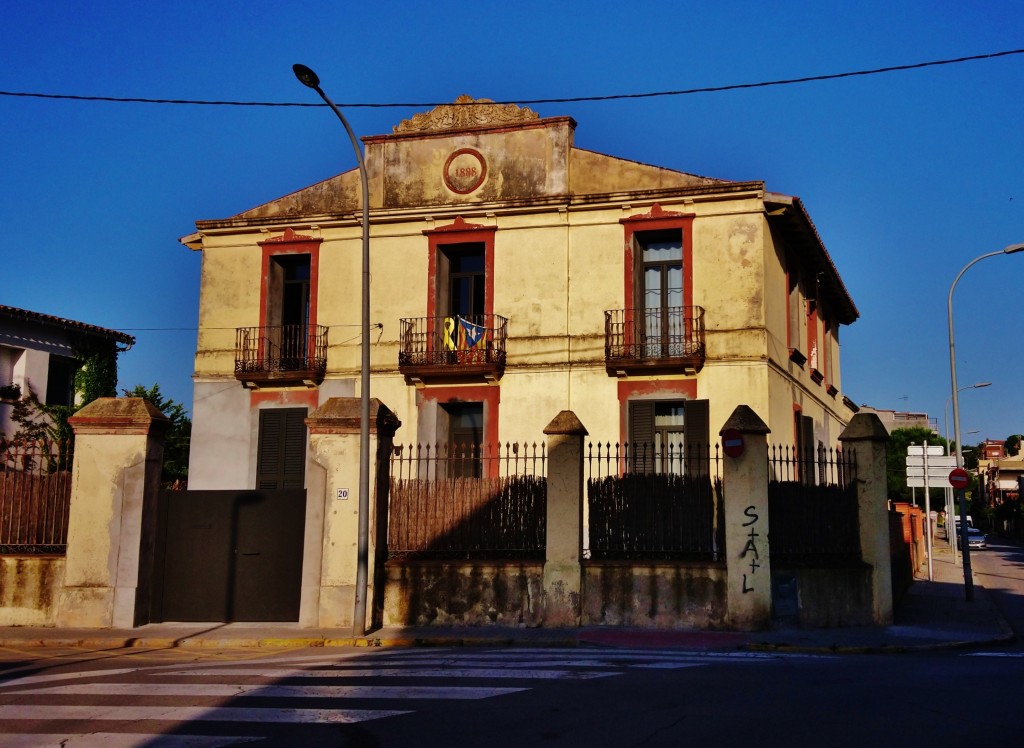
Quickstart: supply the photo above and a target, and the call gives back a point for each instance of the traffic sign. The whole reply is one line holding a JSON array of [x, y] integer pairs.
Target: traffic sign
[[732, 442], [958, 478], [933, 462], [938, 463]]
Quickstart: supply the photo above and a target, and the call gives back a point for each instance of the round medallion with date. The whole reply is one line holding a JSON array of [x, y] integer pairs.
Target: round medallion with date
[[464, 171]]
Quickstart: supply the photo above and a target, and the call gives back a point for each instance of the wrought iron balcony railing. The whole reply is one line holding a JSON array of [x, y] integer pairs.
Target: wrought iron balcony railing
[[447, 347], [281, 355], [659, 338]]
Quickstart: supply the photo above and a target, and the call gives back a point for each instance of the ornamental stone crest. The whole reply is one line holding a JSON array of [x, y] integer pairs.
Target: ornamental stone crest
[[465, 113]]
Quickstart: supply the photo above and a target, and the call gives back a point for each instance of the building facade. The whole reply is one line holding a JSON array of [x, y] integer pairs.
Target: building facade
[[43, 352], [513, 276]]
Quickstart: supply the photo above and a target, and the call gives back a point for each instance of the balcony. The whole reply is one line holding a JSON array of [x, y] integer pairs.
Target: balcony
[[645, 341], [453, 348], [281, 356]]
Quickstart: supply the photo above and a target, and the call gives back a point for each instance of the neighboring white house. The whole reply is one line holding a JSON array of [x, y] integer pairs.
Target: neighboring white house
[[45, 352]]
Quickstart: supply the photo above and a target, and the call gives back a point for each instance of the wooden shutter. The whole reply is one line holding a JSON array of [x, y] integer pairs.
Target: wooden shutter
[[281, 455], [806, 449], [641, 437], [697, 437]]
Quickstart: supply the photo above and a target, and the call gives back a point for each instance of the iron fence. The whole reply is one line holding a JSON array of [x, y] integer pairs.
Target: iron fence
[[35, 497], [281, 348], [659, 332], [467, 502], [812, 507], [476, 339], [647, 502]]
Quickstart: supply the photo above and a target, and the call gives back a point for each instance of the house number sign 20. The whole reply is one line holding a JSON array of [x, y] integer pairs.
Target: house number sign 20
[[464, 171], [343, 494]]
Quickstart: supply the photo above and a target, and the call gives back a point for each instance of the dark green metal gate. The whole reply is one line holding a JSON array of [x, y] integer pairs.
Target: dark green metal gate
[[228, 555]]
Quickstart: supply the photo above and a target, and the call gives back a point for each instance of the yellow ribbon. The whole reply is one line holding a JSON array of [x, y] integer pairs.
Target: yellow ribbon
[[449, 328]]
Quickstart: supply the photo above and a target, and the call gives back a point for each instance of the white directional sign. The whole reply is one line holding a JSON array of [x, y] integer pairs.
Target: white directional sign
[[918, 450], [939, 466]]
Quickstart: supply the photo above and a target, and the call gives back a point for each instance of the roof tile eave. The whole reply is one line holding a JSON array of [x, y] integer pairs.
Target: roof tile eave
[[25, 314]]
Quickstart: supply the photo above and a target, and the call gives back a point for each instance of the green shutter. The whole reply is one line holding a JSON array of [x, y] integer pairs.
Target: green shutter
[[641, 437], [281, 455], [697, 437]]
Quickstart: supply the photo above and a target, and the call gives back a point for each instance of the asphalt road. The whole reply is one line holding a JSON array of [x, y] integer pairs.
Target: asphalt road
[[1000, 570], [521, 697]]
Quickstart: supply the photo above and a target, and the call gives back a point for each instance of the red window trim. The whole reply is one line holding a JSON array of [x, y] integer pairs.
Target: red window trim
[[489, 395], [460, 232], [291, 244], [654, 220], [673, 389]]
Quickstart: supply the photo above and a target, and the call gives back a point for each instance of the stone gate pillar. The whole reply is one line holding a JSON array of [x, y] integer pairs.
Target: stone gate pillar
[[564, 532], [112, 525], [745, 485], [329, 562], [866, 436]]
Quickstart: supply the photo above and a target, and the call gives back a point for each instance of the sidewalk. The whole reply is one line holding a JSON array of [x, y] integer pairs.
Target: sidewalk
[[933, 615]]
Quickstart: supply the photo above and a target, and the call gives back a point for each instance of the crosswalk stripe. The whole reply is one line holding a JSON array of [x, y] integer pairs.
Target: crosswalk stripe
[[602, 662], [123, 740], [210, 690], [65, 676], [392, 672], [192, 714]]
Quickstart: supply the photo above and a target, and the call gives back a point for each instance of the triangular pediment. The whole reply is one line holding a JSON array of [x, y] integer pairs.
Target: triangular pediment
[[475, 151], [337, 195], [595, 173]]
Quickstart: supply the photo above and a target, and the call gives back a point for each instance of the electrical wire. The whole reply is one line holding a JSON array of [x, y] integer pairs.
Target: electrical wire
[[568, 99]]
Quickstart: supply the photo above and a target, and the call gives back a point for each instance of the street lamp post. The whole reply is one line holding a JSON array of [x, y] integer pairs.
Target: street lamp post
[[968, 582], [310, 79], [949, 489], [945, 410]]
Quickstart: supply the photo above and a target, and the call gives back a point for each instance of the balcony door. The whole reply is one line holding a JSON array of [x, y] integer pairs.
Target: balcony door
[[465, 427], [288, 311], [661, 278], [462, 299]]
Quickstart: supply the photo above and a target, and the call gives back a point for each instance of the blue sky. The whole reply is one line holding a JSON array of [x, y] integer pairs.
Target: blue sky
[[908, 176]]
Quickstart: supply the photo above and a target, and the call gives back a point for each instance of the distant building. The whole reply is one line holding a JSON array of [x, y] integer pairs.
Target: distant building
[[44, 352], [993, 449], [1001, 473], [897, 419]]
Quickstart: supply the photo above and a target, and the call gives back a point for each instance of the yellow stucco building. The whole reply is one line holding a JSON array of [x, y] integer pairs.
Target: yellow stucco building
[[514, 276]]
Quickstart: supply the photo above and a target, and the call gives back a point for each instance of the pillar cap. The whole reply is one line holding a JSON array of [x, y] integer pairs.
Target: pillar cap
[[746, 421], [865, 427], [343, 415], [119, 415], [565, 424]]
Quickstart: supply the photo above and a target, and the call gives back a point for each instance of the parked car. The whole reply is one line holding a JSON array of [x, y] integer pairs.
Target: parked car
[[976, 538]]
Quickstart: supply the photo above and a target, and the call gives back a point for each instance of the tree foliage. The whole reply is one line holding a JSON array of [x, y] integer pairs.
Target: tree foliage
[[176, 441], [896, 457], [37, 421]]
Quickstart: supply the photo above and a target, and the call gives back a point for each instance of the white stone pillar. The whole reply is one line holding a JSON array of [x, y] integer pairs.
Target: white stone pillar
[[330, 563], [745, 485], [865, 436], [112, 524], [564, 531]]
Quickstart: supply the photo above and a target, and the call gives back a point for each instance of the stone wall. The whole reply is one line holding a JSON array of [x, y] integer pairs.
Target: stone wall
[[28, 589]]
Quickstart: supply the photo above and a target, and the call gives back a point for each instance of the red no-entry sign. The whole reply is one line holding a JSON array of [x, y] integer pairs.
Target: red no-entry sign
[[958, 478], [732, 442]]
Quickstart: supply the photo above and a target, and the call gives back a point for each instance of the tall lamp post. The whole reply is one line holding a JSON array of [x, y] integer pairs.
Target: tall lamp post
[[945, 410], [310, 79], [968, 582]]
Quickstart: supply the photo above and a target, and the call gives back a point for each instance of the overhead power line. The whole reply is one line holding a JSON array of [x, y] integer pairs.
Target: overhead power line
[[567, 99]]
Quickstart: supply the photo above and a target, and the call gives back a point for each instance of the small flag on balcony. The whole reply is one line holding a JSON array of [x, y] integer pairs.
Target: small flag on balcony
[[469, 334]]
